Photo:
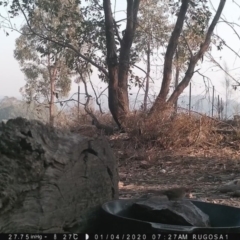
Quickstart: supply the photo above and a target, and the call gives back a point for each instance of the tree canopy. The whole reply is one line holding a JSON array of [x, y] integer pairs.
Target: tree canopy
[[89, 29]]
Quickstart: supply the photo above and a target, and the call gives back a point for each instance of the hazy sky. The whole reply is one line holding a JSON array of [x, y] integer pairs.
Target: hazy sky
[[12, 79]]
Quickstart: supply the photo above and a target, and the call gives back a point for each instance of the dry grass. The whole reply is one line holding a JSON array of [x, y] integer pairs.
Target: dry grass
[[168, 131], [148, 138], [163, 129]]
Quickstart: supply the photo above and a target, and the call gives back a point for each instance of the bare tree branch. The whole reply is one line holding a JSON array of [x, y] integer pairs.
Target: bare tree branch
[[236, 3], [205, 77], [229, 23], [222, 68], [224, 43], [143, 71], [97, 97]]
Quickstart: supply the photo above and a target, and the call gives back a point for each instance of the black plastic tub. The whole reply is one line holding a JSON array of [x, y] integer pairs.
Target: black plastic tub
[[117, 217]]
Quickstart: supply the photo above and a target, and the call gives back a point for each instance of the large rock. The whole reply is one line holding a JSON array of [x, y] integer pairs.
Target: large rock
[[52, 181]]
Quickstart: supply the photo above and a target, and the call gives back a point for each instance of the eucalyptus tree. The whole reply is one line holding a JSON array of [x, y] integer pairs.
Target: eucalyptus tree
[[47, 66], [47, 76], [195, 14]]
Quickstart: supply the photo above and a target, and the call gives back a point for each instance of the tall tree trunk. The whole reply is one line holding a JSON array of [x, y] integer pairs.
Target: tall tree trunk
[[51, 121], [226, 103], [52, 97], [112, 61], [52, 76], [147, 78], [118, 70], [177, 71]]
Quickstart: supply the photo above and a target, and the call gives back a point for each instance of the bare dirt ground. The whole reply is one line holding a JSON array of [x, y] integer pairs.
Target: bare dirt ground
[[205, 169]]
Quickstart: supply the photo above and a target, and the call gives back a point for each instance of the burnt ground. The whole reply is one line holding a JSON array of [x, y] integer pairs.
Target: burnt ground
[[205, 169]]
